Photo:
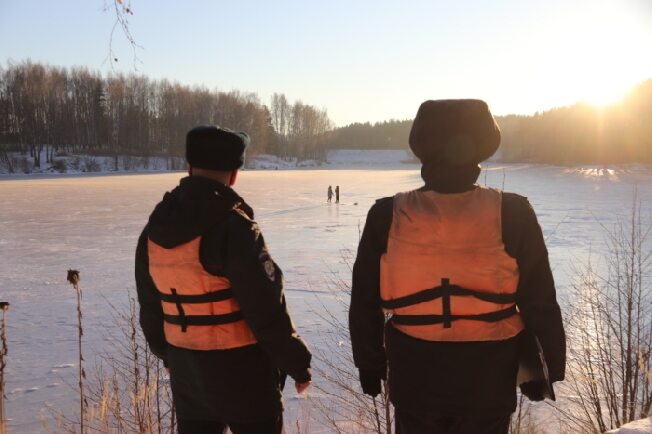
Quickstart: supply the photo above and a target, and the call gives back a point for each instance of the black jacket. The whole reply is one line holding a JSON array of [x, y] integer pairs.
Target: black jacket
[[235, 385], [455, 378]]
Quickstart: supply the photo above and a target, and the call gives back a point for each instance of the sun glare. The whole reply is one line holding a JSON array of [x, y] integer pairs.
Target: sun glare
[[601, 59], [607, 94]]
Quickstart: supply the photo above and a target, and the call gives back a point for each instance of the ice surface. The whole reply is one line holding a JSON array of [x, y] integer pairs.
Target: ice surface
[[91, 223], [643, 426]]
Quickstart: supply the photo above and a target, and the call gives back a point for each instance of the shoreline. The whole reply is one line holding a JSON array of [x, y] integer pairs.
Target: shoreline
[[86, 165], [492, 166]]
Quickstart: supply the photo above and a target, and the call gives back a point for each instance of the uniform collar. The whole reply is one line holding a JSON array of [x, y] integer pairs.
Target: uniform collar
[[215, 188], [447, 179]]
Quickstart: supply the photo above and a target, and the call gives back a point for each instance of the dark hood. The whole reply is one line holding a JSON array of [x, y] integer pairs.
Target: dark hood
[[191, 209]]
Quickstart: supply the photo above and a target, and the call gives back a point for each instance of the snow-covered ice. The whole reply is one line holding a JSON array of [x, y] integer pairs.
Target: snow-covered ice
[[91, 223], [643, 426]]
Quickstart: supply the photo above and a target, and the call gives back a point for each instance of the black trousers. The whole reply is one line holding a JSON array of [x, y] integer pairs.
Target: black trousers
[[272, 426], [406, 423]]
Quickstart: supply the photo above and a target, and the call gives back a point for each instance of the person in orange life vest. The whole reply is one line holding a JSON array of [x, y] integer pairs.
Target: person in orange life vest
[[211, 298], [461, 270]]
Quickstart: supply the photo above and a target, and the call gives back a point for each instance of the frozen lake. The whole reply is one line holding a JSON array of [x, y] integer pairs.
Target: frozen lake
[[48, 225]]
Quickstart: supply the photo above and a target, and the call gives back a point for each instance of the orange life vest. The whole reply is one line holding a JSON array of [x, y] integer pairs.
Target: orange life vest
[[445, 275], [199, 310]]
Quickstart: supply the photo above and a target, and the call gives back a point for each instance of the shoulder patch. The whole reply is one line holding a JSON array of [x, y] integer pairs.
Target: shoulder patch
[[267, 265]]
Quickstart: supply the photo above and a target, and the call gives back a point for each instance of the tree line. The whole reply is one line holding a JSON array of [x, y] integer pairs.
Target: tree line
[[77, 110], [57, 109], [391, 134], [618, 133], [582, 133]]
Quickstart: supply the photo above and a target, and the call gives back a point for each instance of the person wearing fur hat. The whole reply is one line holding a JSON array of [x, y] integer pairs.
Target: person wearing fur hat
[[462, 273], [211, 298]]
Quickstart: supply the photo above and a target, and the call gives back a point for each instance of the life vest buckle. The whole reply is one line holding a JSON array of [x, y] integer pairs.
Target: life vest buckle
[[446, 301], [182, 313]]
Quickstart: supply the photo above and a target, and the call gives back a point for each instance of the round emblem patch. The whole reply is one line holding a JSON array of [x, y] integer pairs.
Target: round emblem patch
[[268, 265], [270, 270]]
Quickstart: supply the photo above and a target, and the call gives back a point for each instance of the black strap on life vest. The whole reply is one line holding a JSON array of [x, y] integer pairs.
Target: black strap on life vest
[[182, 314], [446, 288], [203, 320], [185, 320], [446, 302], [439, 319], [208, 297], [445, 291]]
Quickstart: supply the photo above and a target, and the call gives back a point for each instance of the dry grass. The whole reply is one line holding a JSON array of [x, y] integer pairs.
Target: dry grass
[[4, 306], [128, 390]]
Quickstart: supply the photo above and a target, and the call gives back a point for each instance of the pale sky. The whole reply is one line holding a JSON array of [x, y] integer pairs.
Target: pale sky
[[363, 61]]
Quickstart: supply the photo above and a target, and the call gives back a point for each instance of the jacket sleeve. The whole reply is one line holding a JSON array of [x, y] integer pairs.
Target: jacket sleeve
[[366, 317], [536, 296], [257, 285], [151, 313]]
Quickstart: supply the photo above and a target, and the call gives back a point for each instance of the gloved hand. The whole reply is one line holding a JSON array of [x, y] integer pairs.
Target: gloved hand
[[371, 382], [533, 390], [302, 380]]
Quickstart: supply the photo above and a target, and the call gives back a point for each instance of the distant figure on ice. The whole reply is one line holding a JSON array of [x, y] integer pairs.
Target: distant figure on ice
[[201, 268], [337, 194], [329, 194], [463, 271]]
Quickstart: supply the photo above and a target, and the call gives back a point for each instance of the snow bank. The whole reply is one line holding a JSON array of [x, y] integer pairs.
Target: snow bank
[[65, 163], [643, 426], [272, 162], [356, 158]]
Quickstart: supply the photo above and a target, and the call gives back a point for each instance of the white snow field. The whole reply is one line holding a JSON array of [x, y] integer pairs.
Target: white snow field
[[91, 223]]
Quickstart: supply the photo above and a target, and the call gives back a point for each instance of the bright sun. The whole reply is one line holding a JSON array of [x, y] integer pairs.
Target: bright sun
[[607, 94], [602, 58]]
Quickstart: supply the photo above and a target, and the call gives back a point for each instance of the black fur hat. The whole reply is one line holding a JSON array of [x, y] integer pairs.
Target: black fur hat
[[454, 132], [215, 148]]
